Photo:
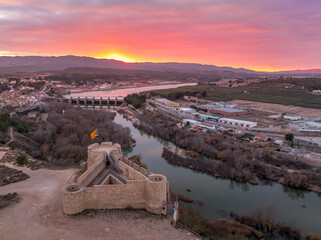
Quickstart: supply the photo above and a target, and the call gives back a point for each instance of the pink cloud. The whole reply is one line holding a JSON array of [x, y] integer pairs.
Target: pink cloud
[[266, 34]]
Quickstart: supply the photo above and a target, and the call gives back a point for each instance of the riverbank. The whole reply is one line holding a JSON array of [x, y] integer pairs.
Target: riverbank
[[234, 158], [298, 207]]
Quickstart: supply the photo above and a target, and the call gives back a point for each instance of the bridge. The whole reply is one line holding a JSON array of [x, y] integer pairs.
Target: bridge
[[95, 101]]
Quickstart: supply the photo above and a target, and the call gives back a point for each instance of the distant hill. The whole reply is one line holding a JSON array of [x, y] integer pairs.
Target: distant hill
[[31, 64], [307, 71]]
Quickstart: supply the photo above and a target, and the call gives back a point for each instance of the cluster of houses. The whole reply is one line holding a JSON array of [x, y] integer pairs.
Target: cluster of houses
[[18, 93], [15, 98]]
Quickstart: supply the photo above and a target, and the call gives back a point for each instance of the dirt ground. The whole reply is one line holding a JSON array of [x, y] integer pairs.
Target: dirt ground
[[305, 112], [2, 153], [39, 215]]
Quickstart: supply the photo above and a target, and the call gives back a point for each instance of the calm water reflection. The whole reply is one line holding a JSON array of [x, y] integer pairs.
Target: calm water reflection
[[299, 207], [124, 92]]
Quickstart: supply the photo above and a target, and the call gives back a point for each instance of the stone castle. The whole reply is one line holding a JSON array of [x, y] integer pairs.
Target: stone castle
[[110, 181]]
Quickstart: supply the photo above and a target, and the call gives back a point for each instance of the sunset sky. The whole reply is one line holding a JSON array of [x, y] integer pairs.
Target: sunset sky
[[255, 34]]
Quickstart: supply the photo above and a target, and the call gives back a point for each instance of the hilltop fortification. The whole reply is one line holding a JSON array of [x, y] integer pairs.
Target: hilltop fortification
[[109, 181]]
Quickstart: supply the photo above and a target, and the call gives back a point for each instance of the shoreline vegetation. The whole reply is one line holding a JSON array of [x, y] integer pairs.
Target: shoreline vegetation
[[232, 158], [261, 220], [259, 223]]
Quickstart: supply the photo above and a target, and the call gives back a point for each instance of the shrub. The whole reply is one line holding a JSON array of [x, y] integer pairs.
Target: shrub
[[21, 160], [18, 124], [4, 126], [136, 100], [289, 137], [129, 208]]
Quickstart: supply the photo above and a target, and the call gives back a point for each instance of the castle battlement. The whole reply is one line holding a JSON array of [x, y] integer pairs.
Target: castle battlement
[[110, 181]]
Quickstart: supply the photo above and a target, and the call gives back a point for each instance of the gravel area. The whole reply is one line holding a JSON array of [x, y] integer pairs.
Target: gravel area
[[39, 215], [304, 112]]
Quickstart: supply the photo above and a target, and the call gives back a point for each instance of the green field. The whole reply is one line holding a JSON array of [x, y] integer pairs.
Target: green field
[[270, 91]]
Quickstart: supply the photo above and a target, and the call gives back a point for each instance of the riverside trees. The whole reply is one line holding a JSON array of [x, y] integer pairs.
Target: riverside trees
[[64, 138], [237, 159]]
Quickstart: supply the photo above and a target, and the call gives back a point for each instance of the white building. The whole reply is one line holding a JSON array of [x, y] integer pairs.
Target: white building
[[226, 105], [187, 110], [167, 102], [191, 122], [236, 122], [291, 117], [278, 141], [207, 126]]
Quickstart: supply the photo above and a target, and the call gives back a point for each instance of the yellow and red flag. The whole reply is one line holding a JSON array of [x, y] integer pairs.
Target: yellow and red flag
[[94, 134]]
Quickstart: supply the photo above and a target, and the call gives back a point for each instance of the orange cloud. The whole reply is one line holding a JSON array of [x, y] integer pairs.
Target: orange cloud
[[259, 35]]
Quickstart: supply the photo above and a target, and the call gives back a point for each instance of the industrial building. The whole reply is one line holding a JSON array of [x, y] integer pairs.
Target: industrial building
[[236, 122], [226, 105], [291, 117], [191, 122], [315, 125], [208, 117], [167, 102], [228, 112], [186, 110], [207, 126]]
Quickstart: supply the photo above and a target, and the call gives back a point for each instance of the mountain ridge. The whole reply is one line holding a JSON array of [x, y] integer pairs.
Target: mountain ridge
[[29, 64], [41, 63]]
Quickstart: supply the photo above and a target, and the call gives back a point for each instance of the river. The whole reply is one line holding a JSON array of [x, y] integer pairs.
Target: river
[[296, 207], [125, 91]]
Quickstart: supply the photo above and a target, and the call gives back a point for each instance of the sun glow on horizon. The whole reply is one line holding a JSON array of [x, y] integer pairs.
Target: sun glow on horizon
[[262, 69], [130, 59], [119, 57], [127, 59], [6, 54]]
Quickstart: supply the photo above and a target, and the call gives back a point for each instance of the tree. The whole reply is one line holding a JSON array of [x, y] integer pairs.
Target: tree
[[289, 137], [135, 99], [22, 159]]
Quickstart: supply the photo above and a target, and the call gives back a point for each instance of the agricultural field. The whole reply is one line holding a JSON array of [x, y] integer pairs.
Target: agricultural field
[[296, 92]]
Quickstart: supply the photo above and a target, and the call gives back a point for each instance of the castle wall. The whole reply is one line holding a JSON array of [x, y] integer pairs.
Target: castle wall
[[73, 201], [88, 176], [130, 172], [157, 191], [116, 196], [92, 155], [140, 192], [135, 166], [137, 194], [116, 152]]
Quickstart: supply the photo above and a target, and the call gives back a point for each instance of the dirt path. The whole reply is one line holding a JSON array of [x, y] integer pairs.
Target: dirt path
[[39, 215], [2, 153], [11, 136]]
